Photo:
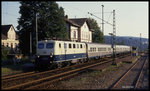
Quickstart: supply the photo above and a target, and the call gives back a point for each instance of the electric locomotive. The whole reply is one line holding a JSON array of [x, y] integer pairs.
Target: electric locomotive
[[54, 52]]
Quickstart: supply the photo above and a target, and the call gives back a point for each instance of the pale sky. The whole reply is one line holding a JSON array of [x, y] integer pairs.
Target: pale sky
[[131, 17]]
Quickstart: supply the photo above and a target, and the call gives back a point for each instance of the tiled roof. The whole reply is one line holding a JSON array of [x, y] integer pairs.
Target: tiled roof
[[3, 36], [79, 21], [71, 22], [5, 29]]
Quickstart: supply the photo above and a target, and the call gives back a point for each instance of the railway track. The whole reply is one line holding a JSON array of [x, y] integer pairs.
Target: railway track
[[130, 79], [30, 77], [32, 72], [27, 80], [57, 75]]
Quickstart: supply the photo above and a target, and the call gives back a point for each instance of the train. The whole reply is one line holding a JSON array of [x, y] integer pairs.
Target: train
[[52, 53]]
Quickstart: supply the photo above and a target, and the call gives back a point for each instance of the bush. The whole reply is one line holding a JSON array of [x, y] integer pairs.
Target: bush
[[5, 51]]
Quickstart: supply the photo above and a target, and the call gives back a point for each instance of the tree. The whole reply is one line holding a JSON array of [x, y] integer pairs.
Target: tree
[[97, 35], [51, 23]]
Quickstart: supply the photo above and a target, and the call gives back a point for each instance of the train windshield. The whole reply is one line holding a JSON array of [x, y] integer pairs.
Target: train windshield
[[49, 45], [41, 45]]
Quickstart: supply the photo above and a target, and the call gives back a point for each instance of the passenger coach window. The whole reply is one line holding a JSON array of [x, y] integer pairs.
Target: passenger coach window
[[41, 45], [69, 45], [80, 45], [49, 45], [74, 46]]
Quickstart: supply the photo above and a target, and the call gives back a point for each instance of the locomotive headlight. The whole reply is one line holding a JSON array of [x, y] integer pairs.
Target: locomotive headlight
[[51, 55], [38, 56]]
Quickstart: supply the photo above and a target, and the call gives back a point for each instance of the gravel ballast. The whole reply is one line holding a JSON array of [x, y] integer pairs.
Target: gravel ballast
[[91, 79]]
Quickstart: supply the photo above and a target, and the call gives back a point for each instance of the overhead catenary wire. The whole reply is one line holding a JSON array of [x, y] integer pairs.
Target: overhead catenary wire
[[9, 14], [100, 18]]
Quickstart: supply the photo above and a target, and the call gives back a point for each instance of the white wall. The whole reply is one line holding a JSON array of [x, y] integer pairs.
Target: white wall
[[11, 34], [74, 33], [86, 35]]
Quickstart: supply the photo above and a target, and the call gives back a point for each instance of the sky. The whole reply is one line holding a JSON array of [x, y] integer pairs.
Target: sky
[[131, 17]]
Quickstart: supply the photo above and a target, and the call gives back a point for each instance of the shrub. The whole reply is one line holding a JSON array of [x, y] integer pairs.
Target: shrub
[[5, 51]]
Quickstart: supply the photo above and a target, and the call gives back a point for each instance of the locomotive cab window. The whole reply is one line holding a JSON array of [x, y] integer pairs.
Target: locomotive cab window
[[49, 45], [41, 45]]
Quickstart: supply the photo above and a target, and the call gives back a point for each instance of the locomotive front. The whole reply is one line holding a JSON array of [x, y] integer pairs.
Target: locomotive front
[[45, 53]]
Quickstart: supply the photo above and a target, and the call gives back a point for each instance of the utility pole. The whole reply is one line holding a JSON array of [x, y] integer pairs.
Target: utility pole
[[114, 39], [140, 43], [36, 31], [130, 44], [30, 43], [102, 19]]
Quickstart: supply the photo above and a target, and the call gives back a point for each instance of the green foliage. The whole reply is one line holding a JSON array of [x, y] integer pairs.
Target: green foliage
[[97, 35], [51, 23], [5, 51]]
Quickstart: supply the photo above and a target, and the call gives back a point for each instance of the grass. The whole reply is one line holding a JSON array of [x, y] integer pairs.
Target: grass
[[9, 69], [94, 73], [147, 71]]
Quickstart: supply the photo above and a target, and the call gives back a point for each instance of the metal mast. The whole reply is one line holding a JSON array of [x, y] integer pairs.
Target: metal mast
[[102, 19], [114, 38], [36, 30], [30, 43], [140, 43]]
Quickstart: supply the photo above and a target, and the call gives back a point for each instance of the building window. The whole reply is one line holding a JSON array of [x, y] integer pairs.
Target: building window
[[11, 45], [16, 45], [7, 44], [74, 34]]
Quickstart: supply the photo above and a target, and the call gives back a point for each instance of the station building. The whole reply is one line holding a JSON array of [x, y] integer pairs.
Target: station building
[[79, 29], [9, 38]]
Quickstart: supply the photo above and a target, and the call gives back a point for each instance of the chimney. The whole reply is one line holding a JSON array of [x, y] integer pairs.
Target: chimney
[[66, 16]]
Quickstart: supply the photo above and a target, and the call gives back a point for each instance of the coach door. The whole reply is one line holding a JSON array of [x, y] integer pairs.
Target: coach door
[[65, 49]]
